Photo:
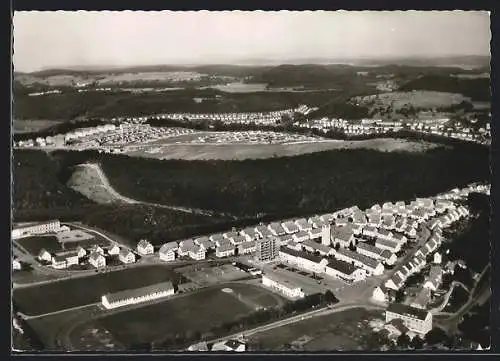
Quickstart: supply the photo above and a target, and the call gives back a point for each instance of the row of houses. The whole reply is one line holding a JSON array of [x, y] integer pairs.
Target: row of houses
[[96, 256]]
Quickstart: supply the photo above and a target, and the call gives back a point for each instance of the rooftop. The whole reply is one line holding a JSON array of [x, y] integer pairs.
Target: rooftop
[[143, 291], [408, 311], [341, 266]]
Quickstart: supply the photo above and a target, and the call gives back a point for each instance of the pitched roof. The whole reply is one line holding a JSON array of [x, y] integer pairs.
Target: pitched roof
[[143, 243], [386, 242], [341, 266], [408, 311], [170, 246], [368, 261], [225, 248], [125, 252], [316, 246], [301, 254], [143, 291]]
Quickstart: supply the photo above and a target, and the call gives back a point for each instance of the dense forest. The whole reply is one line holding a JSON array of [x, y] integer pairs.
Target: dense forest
[[70, 104], [476, 89], [40, 193], [291, 185]]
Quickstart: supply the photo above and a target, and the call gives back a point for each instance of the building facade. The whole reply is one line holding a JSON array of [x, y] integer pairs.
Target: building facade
[[415, 319], [283, 286], [41, 228], [267, 249]]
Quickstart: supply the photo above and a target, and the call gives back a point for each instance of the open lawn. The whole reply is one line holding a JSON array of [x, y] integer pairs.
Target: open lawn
[[197, 312], [418, 99], [81, 291], [261, 151], [346, 330]]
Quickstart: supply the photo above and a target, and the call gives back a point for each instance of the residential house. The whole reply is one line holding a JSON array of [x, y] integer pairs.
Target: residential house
[[417, 320], [377, 253], [167, 251], [145, 248], [97, 260], [313, 247], [285, 239], [370, 231], [302, 260], [112, 251], [205, 242], [250, 233], [225, 251], [388, 245], [218, 239], [16, 265], [301, 236], [317, 222], [434, 279], [126, 256], [197, 252], [59, 262], [96, 249], [370, 265], [343, 236], [303, 224], [263, 231], [388, 222], [247, 247], [379, 294], [344, 271], [437, 258], [238, 240], [395, 282], [290, 227], [44, 255], [277, 229]]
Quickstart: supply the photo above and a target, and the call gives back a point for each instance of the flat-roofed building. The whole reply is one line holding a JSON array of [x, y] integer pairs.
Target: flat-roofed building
[[303, 260]]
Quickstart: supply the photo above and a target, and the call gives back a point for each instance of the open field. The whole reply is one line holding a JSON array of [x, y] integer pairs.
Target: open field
[[35, 244], [346, 330], [197, 312], [76, 292], [107, 78], [206, 275], [86, 181], [262, 151], [417, 99], [28, 126]]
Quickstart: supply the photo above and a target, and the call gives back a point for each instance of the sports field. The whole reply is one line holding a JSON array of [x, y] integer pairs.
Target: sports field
[[260, 151], [81, 291], [342, 331], [196, 312]]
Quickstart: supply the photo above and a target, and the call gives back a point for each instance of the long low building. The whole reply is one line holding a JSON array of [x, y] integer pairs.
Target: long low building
[[282, 285], [303, 260], [28, 229], [138, 295], [344, 271]]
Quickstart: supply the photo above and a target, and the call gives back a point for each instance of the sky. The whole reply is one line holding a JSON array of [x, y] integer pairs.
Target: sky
[[91, 38]]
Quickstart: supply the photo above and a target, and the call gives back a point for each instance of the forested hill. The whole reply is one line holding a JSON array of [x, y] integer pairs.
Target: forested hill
[[477, 89]]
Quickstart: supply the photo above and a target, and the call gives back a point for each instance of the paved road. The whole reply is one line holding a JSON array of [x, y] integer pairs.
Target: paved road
[[107, 185]]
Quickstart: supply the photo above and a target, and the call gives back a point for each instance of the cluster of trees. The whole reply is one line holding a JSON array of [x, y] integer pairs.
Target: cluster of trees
[[478, 234], [256, 318], [305, 184], [477, 89], [476, 325]]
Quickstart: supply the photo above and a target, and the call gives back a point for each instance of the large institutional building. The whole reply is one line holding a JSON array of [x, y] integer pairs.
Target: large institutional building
[[415, 319], [139, 295], [29, 229], [267, 249]]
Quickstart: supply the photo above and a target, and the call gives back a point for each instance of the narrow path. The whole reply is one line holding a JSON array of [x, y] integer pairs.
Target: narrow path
[[109, 188]]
